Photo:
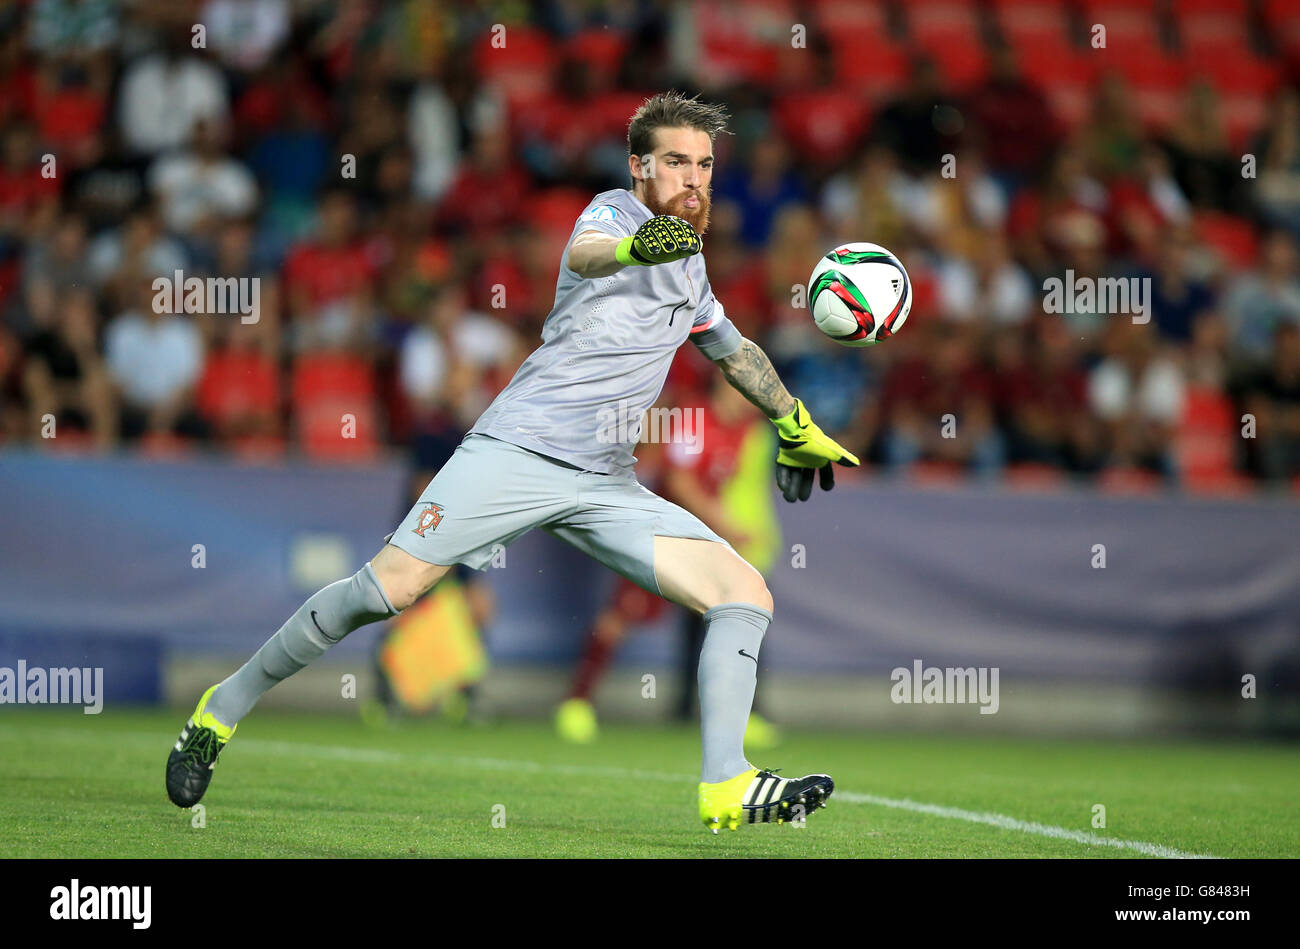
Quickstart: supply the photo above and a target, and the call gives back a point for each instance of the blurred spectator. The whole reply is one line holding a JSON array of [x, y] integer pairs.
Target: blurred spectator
[[65, 378], [73, 26], [990, 287], [443, 358], [1138, 392], [444, 116], [1202, 159], [1278, 154], [488, 189], [874, 197], [761, 190], [328, 280], [1258, 302], [71, 103], [1045, 221], [245, 33], [912, 126], [1113, 135], [938, 405], [1273, 396], [1040, 397], [1145, 204], [1178, 296], [1018, 130], [155, 360], [164, 94], [198, 187], [26, 184], [140, 247], [51, 267]]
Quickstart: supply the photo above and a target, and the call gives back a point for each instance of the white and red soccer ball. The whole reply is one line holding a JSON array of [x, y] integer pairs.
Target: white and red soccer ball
[[859, 294]]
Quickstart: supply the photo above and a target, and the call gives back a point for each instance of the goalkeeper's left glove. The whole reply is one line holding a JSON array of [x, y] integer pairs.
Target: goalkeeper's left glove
[[804, 448]]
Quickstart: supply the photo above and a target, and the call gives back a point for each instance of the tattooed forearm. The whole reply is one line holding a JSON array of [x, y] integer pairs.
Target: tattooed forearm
[[751, 374]]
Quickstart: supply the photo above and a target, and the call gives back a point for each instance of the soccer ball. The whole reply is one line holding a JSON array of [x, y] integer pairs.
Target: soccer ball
[[859, 294]]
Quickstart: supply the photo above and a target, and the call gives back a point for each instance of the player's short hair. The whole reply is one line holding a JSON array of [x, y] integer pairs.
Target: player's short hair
[[672, 110]]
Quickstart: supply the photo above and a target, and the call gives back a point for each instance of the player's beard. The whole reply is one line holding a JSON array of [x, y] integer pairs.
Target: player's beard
[[697, 218]]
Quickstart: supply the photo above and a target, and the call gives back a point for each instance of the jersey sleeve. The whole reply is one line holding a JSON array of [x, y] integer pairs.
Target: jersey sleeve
[[714, 334], [606, 217], [601, 216]]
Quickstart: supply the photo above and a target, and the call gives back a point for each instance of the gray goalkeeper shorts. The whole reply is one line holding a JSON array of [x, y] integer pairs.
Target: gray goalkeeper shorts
[[490, 493]]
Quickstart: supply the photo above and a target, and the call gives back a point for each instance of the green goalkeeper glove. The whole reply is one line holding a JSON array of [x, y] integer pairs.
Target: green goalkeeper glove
[[805, 448], [658, 241]]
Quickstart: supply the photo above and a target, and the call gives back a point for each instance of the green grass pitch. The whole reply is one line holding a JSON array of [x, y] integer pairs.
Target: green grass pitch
[[296, 785]]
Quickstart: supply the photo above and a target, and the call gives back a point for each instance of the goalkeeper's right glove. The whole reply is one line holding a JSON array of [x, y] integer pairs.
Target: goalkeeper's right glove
[[659, 240]]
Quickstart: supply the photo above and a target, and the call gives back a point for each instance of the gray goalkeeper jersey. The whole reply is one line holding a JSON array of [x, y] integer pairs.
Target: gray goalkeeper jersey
[[606, 348]]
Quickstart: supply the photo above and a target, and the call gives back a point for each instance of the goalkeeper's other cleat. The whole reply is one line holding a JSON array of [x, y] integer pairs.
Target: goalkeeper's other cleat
[[190, 764], [760, 734], [575, 721], [761, 797]]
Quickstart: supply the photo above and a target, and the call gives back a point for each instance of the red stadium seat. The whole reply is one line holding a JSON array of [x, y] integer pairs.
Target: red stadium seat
[[1203, 445], [257, 448], [556, 209], [1066, 78], [963, 64], [1034, 477], [1129, 481], [162, 446], [1157, 82], [523, 69], [1232, 237], [1282, 20], [942, 20], [601, 49], [1131, 25], [936, 474], [1213, 35], [610, 113], [824, 125], [1245, 85], [861, 17], [733, 47], [879, 76], [326, 387], [1033, 24]]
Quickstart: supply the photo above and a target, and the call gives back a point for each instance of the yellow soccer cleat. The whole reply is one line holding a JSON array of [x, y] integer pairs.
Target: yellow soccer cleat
[[761, 797], [192, 758], [575, 721]]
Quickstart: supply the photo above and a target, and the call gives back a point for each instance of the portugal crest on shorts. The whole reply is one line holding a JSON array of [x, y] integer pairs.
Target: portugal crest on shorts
[[430, 518]]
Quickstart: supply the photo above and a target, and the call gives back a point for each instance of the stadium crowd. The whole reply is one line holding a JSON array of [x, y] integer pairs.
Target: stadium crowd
[[401, 178]]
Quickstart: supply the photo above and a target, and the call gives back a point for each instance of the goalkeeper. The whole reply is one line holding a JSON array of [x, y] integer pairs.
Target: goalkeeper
[[554, 451]]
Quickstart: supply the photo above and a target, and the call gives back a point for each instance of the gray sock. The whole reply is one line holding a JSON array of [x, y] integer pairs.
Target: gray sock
[[727, 681], [326, 617]]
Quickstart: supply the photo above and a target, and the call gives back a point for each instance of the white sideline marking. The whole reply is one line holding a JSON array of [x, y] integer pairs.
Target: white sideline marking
[[379, 755], [1028, 827], [846, 797]]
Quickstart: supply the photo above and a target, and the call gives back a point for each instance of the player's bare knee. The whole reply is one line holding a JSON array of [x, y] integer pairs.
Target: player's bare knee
[[405, 578], [743, 585], [759, 595]]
